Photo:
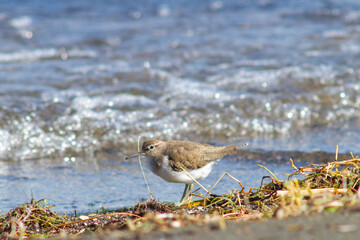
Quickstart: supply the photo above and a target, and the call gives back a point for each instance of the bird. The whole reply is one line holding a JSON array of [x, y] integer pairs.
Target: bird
[[169, 159]]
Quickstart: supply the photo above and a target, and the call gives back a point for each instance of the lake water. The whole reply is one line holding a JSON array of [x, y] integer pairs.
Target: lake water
[[80, 81]]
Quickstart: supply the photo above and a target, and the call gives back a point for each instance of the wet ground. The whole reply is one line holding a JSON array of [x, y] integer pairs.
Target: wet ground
[[341, 225]]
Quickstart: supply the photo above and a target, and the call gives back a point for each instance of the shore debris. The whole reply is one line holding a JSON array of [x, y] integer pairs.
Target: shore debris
[[320, 187]]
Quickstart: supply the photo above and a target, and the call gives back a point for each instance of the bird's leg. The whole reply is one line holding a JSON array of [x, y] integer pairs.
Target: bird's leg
[[187, 190]]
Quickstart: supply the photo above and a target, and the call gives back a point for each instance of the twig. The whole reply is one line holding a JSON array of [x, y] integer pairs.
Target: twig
[[225, 173], [273, 175], [336, 155], [313, 191], [142, 170]]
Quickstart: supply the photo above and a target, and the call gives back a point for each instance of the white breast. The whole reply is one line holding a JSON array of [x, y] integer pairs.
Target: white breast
[[168, 174]]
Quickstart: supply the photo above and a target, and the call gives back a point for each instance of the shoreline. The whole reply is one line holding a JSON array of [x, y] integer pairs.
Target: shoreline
[[163, 224], [325, 203], [339, 225]]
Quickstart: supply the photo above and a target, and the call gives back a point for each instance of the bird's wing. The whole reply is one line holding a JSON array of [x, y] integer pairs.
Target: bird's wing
[[194, 155], [189, 155]]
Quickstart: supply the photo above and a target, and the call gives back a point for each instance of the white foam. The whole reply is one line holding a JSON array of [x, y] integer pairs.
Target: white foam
[[44, 53], [21, 22]]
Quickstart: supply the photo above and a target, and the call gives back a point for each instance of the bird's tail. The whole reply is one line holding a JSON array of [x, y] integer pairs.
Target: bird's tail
[[242, 145]]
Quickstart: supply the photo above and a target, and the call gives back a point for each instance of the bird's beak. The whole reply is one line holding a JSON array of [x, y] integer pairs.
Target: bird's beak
[[135, 155]]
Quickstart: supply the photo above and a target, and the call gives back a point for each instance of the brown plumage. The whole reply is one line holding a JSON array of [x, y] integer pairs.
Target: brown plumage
[[194, 156], [185, 154]]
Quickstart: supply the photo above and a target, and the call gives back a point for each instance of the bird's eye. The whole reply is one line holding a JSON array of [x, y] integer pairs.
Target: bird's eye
[[151, 147]]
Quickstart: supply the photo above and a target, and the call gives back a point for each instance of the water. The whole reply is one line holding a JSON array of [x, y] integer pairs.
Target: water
[[114, 184], [80, 81]]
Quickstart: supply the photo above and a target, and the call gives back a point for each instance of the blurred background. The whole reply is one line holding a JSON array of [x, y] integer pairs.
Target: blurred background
[[80, 81]]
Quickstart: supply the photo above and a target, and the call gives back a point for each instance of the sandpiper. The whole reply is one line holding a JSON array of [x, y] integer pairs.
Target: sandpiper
[[168, 159]]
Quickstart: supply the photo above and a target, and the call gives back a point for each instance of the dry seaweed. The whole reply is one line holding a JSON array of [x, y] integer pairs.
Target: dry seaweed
[[321, 187], [152, 206], [30, 219], [35, 219], [329, 175], [324, 187]]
